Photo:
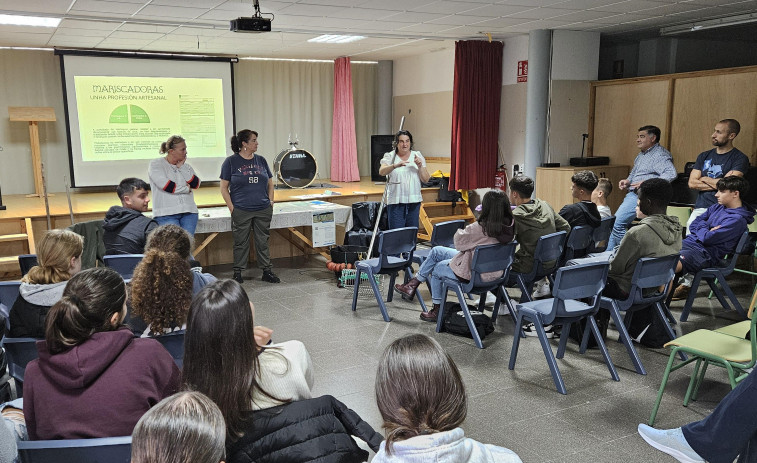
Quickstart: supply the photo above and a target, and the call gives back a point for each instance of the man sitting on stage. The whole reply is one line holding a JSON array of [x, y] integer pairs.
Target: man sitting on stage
[[126, 228]]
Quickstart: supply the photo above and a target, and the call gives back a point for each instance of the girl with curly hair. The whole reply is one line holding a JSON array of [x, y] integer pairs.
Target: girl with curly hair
[[161, 291], [174, 238]]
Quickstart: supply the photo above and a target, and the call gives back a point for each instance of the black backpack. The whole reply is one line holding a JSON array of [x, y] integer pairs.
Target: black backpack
[[448, 196], [454, 321]]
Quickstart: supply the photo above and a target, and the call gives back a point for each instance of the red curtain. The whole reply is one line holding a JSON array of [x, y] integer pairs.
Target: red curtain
[[343, 141], [475, 114]]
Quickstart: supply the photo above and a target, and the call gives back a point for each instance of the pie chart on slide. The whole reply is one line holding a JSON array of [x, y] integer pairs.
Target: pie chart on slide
[[125, 114]]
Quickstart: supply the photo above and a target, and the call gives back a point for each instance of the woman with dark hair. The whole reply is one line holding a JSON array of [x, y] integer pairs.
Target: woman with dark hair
[[93, 378], [172, 182], [172, 238], [405, 170], [59, 258], [184, 428], [422, 400], [494, 225], [263, 391], [247, 189], [161, 291]]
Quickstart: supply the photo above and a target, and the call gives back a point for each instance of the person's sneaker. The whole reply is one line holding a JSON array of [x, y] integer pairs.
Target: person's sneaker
[[670, 441], [681, 293], [270, 277], [542, 289], [529, 329], [238, 277], [490, 300]]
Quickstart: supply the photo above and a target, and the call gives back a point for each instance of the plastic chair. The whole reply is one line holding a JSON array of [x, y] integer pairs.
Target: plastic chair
[[26, 262], [578, 242], [395, 248], [714, 275], [443, 234], [124, 264], [102, 450], [721, 348], [8, 296], [174, 344], [650, 272], [601, 235], [549, 248], [19, 352], [571, 284], [489, 258], [682, 212]]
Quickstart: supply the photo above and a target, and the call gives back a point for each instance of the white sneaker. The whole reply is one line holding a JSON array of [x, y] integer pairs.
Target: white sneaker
[[542, 289], [529, 329], [490, 300], [670, 441]]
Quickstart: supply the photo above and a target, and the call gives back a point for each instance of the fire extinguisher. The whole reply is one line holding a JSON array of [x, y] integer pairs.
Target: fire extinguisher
[[500, 178]]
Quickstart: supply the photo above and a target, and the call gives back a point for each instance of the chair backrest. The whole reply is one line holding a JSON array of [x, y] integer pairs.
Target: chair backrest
[[585, 281], [397, 244], [490, 258], [8, 296], [549, 248], [26, 262], [124, 264], [174, 344], [102, 450], [443, 233], [602, 234], [650, 273], [579, 240], [744, 246], [19, 352]]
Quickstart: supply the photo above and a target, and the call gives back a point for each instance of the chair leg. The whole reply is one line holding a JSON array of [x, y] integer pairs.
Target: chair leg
[[659, 309], [584, 340], [690, 299], [408, 275], [602, 347], [516, 340], [377, 293], [563, 340], [692, 382], [700, 380], [665, 377], [525, 293], [440, 316], [355, 291], [468, 318], [625, 338], [729, 292], [390, 292], [556, 376], [482, 301], [712, 282]]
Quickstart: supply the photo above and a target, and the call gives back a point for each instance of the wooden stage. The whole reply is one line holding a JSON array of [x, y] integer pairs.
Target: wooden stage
[[29, 212]]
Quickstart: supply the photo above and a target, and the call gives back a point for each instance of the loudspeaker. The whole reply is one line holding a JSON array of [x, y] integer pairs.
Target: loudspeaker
[[380, 145]]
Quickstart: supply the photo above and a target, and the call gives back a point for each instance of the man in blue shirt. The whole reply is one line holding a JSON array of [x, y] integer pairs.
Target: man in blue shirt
[[653, 161]]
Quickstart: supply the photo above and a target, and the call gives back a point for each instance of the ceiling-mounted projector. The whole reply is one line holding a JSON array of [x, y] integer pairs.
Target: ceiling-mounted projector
[[254, 24]]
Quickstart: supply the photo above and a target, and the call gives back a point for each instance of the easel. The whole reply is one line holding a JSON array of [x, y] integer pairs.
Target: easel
[[33, 115]]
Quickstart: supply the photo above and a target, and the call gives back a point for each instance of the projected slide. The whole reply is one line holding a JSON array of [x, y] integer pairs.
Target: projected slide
[[127, 118]]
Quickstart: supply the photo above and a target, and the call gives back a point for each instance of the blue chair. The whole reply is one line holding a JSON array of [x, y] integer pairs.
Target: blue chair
[[8, 296], [26, 262], [573, 283], [395, 248], [443, 234], [102, 450], [19, 352], [124, 264], [714, 275], [489, 258], [578, 243], [549, 248], [602, 234], [650, 274], [174, 344]]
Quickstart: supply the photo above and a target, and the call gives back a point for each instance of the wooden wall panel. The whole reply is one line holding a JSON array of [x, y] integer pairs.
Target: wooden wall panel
[[700, 102], [620, 110]]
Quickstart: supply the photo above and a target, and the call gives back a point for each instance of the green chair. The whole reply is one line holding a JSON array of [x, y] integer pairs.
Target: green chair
[[725, 347], [682, 212]]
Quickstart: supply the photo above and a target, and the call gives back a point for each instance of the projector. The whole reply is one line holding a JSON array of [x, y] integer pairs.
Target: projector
[[250, 25]]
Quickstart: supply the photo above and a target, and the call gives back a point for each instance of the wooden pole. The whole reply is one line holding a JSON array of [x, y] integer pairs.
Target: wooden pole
[[33, 116], [36, 157]]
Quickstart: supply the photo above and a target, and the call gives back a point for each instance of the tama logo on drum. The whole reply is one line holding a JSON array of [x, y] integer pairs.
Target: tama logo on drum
[[297, 156]]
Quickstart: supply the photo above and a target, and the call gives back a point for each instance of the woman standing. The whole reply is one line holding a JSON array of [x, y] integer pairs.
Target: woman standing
[[172, 181], [247, 188], [406, 170]]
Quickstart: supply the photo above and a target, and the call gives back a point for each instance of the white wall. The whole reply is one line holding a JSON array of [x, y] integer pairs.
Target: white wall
[[428, 73], [575, 55], [516, 49]]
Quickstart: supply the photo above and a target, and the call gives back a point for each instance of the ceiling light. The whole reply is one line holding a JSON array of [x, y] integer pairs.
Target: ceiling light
[[710, 24], [336, 38], [16, 20]]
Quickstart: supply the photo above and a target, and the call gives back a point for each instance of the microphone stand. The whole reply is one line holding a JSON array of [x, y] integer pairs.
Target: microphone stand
[[383, 199]]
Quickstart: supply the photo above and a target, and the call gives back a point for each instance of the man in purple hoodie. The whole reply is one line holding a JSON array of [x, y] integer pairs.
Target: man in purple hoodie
[[716, 232]]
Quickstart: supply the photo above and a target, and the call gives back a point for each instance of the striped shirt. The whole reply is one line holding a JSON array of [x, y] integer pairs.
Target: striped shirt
[[656, 162]]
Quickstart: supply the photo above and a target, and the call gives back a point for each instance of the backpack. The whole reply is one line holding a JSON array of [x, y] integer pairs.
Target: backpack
[[647, 329], [448, 196], [454, 321]]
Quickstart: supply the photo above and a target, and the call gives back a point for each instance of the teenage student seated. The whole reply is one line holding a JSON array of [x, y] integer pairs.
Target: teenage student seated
[[584, 211], [599, 197], [125, 228], [173, 238]]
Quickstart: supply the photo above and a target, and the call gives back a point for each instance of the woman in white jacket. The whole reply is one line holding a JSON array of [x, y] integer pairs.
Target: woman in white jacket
[[422, 400], [172, 182]]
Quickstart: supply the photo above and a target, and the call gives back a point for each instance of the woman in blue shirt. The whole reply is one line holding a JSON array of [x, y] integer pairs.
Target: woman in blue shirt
[[247, 189]]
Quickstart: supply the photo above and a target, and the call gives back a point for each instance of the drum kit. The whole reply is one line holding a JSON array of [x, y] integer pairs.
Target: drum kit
[[294, 167]]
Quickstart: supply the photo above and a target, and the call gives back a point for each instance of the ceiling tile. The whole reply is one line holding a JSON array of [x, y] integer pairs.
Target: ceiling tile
[[363, 13], [171, 13], [457, 20], [413, 17], [541, 13], [39, 6], [100, 6], [493, 11]]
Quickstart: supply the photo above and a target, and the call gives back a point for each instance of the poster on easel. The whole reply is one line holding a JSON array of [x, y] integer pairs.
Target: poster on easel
[[324, 229]]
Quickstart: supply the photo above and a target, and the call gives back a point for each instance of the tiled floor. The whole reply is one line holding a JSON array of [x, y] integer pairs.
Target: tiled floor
[[520, 409]]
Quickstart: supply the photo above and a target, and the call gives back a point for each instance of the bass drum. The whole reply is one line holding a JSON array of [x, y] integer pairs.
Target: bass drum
[[296, 168]]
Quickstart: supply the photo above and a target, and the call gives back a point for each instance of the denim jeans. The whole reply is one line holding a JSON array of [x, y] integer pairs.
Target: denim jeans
[[186, 220], [403, 215], [436, 267], [623, 216]]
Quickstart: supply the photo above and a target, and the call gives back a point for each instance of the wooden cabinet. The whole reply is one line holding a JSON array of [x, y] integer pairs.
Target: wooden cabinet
[[553, 184]]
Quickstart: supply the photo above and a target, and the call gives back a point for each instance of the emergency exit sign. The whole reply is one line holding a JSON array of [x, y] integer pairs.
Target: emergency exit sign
[[523, 71]]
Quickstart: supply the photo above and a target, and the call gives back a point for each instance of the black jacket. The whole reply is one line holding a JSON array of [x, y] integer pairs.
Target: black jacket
[[27, 316], [581, 213], [126, 230], [318, 429]]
